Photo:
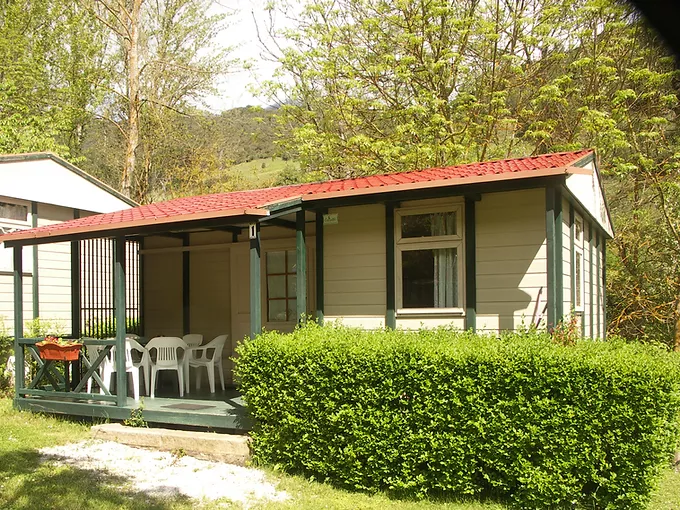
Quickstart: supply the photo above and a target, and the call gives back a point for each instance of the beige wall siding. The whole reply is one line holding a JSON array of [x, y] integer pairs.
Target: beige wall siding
[[7, 301], [511, 258], [54, 263], [162, 288], [354, 266], [567, 249]]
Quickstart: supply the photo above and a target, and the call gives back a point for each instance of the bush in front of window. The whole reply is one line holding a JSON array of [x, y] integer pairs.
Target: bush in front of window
[[453, 414]]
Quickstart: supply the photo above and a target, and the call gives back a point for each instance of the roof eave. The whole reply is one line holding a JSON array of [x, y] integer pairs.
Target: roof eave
[[30, 237]]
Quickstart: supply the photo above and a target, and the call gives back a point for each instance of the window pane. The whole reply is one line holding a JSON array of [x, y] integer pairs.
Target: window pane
[[276, 262], [292, 309], [277, 310], [578, 229], [292, 285], [13, 211], [428, 225], [430, 278], [276, 286], [291, 266]]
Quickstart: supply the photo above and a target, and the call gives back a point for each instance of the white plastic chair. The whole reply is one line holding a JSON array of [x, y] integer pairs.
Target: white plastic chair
[[193, 339], [201, 359], [167, 358], [92, 352], [131, 366]]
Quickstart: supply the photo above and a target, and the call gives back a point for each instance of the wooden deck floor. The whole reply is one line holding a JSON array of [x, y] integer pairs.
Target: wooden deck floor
[[220, 411]]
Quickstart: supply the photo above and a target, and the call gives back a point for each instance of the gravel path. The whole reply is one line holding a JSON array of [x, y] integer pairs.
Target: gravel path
[[162, 474]]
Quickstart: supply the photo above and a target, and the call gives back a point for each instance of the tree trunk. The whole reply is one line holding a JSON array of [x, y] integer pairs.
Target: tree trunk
[[134, 102], [676, 336]]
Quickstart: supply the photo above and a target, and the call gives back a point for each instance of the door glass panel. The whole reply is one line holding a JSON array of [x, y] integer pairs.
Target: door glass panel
[[276, 286]]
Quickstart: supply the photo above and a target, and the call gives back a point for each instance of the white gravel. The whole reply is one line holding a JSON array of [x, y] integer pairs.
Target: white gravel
[[164, 474]]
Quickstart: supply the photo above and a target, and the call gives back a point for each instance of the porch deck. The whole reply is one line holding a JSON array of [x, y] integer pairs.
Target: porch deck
[[221, 410]]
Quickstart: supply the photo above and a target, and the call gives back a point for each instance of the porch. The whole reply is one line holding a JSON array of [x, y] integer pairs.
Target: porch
[[126, 280]]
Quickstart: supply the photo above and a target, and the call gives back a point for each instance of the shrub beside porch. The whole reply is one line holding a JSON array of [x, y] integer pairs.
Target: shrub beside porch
[[441, 412]]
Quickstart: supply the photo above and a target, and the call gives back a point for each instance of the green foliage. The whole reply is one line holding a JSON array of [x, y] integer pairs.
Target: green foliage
[[451, 413], [137, 417], [40, 328], [106, 328]]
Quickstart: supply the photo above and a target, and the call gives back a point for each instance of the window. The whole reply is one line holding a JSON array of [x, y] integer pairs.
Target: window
[[15, 212], [578, 277], [429, 248], [281, 286]]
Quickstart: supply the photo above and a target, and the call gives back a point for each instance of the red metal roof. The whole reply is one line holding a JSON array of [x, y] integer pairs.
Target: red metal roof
[[257, 202]]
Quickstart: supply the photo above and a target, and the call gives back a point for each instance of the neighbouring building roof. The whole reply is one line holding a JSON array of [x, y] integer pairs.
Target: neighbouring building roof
[[259, 202], [47, 178]]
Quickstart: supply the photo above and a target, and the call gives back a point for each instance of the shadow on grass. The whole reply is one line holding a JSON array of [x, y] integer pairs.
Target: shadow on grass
[[31, 483]]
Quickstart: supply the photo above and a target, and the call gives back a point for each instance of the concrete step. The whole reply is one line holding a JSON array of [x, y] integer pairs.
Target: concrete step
[[233, 449]]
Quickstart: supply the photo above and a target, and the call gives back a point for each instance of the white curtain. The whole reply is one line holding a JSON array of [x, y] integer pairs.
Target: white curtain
[[445, 263]]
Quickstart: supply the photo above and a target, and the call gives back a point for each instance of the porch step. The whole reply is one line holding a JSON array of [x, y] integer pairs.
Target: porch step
[[230, 448]]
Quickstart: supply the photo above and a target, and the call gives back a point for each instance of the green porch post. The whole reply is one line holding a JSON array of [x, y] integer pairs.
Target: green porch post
[[470, 265], [301, 266], [186, 286], [319, 267], [36, 268], [391, 313], [18, 321], [75, 285], [119, 297], [255, 280]]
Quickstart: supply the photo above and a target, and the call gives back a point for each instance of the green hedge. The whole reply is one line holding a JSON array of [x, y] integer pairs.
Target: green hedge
[[454, 414]]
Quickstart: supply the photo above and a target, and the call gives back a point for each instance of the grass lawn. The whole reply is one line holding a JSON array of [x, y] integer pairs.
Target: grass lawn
[[262, 172], [25, 483]]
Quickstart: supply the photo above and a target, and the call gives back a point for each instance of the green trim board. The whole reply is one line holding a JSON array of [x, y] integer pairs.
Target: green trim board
[[470, 265], [604, 289], [391, 312], [319, 266], [224, 416], [35, 280], [120, 315], [597, 279], [18, 320], [585, 160], [590, 280], [186, 286], [553, 225], [255, 280], [572, 257], [301, 267]]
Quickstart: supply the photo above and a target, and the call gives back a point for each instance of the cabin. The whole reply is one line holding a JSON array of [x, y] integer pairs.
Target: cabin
[[39, 190], [490, 246]]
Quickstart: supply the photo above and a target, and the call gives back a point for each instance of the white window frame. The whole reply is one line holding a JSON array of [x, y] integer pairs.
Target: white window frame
[[9, 223], [578, 252], [423, 243]]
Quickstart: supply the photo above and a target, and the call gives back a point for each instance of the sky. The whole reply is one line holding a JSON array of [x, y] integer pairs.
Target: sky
[[241, 33]]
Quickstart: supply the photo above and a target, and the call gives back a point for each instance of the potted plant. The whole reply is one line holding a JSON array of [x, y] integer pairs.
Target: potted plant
[[58, 349]]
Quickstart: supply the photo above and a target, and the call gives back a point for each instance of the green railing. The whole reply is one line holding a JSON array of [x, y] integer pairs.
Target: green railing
[[54, 379]]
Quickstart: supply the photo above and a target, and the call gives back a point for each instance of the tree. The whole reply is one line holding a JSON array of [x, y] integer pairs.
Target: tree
[[166, 52], [50, 67], [405, 84]]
